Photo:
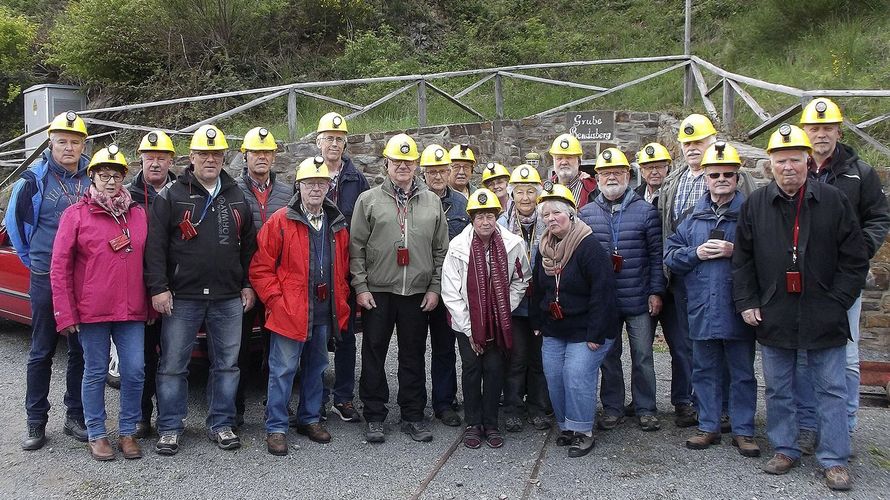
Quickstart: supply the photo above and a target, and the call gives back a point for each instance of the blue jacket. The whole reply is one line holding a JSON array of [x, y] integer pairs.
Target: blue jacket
[[710, 306], [23, 210], [508, 222], [350, 184], [638, 229], [455, 207]]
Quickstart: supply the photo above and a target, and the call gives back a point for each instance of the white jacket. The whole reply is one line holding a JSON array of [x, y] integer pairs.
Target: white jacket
[[455, 270]]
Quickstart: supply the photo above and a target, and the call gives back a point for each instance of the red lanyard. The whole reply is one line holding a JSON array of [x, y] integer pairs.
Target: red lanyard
[[402, 212], [796, 232]]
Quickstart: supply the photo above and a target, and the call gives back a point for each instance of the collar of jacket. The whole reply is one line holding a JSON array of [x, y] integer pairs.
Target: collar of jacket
[[246, 178], [460, 245], [387, 187], [348, 170], [139, 181], [625, 201], [703, 207], [813, 191], [333, 214]]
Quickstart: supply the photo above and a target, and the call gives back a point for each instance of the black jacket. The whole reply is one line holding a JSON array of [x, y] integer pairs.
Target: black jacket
[[350, 184], [641, 190], [832, 261], [279, 196], [144, 194], [859, 181], [213, 264]]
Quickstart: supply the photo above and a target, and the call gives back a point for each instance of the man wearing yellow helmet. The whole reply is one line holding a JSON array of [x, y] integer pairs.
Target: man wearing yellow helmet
[[398, 241], [45, 190], [654, 161], [799, 263], [566, 153], [463, 160]]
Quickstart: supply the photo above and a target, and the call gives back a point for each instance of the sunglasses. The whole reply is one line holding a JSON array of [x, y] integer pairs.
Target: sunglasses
[[726, 175]]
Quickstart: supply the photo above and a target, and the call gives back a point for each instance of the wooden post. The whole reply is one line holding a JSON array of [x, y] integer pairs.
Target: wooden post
[[728, 106], [421, 103], [688, 78], [292, 115], [498, 97]]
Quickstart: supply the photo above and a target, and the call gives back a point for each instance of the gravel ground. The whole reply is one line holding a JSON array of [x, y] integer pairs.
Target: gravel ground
[[626, 462]]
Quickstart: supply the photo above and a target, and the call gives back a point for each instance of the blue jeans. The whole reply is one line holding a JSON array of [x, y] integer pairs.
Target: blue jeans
[[803, 389], [571, 372], [826, 367], [640, 334], [44, 340], [711, 360], [96, 339], [676, 333], [443, 359], [223, 320], [284, 360]]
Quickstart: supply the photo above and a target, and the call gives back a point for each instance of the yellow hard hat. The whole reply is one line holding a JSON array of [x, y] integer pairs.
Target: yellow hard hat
[[483, 199], [566, 144], [559, 192], [208, 138], [611, 158], [258, 139], [462, 152], [695, 128], [313, 168], [525, 174], [494, 170], [68, 122], [401, 147], [156, 140], [111, 157], [821, 110], [789, 137], [332, 122], [721, 153], [434, 155], [653, 152], [532, 156]]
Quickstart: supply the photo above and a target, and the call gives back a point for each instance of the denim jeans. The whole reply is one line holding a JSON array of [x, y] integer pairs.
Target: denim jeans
[[676, 333], [525, 373], [826, 367], [44, 340], [711, 360], [96, 340], [803, 388], [285, 355], [642, 379], [443, 360], [571, 371], [223, 321], [482, 379]]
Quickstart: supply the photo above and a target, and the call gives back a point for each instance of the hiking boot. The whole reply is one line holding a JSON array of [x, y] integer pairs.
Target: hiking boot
[[649, 423], [725, 424], [580, 445], [609, 422], [168, 444], [129, 447], [702, 440], [276, 444], [685, 416], [564, 438], [225, 438], [746, 445], [101, 450], [779, 464], [418, 431], [346, 411], [838, 478], [315, 431], [513, 424], [143, 429], [374, 432], [449, 417], [76, 428], [473, 436], [540, 422], [36, 437], [806, 441]]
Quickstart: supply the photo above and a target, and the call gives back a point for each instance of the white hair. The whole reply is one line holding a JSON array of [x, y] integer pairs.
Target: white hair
[[557, 205]]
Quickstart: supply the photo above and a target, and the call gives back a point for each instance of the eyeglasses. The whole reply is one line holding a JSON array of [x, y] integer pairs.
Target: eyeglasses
[[726, 175], [437, 173], [461, 168], [611, 174], [107, 177], [653, 167], [315, 184], [331, 139]]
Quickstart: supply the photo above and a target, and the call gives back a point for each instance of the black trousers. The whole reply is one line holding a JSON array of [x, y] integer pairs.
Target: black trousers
[[482, 379], [152, 356], [443, 361], [245, 355], [525, 373], [403, 313]]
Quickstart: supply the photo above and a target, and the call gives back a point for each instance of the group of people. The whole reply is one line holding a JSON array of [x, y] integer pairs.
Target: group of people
[[531, 280]]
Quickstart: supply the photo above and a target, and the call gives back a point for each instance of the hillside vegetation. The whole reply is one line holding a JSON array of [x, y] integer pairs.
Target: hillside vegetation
[[141, 50]]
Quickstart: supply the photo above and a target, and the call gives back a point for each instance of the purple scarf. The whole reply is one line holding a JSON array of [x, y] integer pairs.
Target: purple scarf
[[488, 293]]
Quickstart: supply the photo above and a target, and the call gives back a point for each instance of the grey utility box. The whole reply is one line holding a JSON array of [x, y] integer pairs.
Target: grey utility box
[[43, 102]]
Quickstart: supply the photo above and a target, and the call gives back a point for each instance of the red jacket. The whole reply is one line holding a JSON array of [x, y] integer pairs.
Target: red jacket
[[92, 283], [279, 272], [588, 185]]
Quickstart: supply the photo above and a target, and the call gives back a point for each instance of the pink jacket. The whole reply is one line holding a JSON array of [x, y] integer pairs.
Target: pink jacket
[[91, 282]]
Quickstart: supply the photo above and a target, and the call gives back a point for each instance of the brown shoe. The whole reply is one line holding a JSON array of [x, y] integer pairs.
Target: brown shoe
[[276, 444], [315, 431], [701, 440], [746, 445], [129, 447], [838, 478], [101, 450], [779, 464]]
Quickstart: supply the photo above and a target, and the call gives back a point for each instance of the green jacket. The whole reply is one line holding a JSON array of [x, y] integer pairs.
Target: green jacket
[[375, 236]]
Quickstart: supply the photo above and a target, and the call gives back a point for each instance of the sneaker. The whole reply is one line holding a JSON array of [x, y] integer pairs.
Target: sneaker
[[609, 422], [36, 437], [725, 424], [540, 422], [374, 432], [564, 438], [76, 428], [649, 423], [418, 431], [168, 444], [685, 416], [746, 445], [225, 438], [581, 445], [449, 417], [838, 478], [276, 444], [779, 464], [702, 440], [806, 441], [347, 412], [513, 424]]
